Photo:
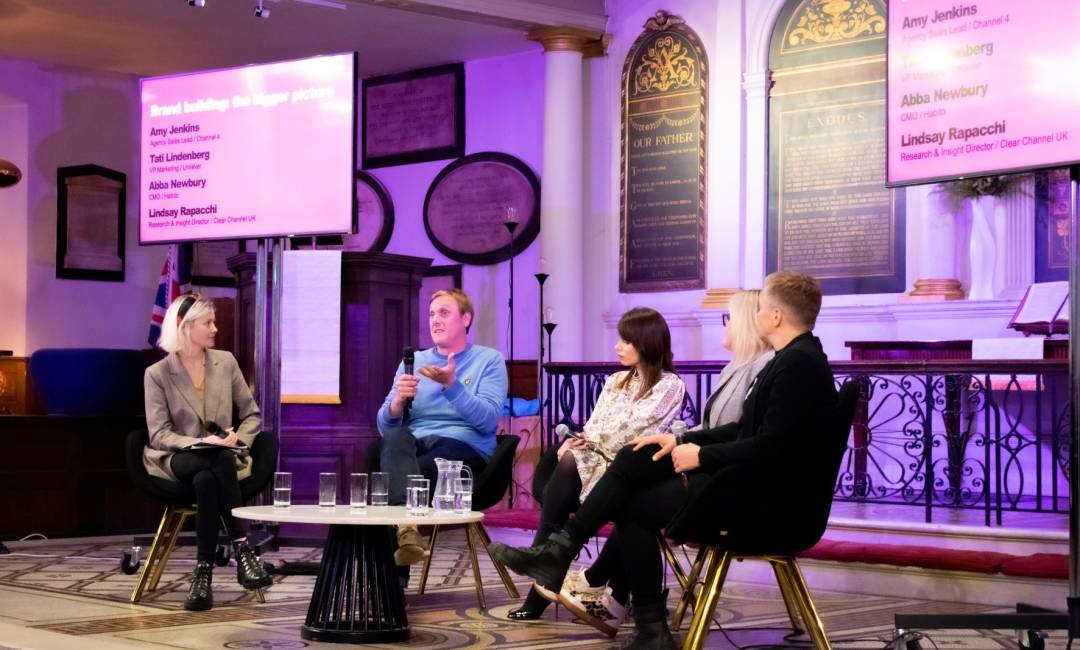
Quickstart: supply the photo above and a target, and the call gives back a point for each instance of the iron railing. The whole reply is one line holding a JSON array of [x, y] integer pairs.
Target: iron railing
[[974, 435]]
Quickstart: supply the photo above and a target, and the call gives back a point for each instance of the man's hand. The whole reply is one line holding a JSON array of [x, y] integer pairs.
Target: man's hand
[[665, 440], [405, 387], [568, 445], [685, 457], [445, 375]]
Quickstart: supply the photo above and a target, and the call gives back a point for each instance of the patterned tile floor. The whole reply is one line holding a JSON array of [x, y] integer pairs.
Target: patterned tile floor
[[71, 593]]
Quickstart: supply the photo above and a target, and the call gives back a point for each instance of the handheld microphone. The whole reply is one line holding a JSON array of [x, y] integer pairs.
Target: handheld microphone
[[214, 429], [562, 431], [678, 427], [408, 358]]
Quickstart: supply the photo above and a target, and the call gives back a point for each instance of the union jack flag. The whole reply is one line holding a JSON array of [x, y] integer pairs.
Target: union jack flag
[[175, 280]]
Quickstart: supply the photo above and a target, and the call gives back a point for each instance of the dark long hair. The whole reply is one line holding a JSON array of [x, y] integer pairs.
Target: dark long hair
[[647, 331]]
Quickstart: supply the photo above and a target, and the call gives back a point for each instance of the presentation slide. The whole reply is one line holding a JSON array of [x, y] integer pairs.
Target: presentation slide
[[258, 151], [981, 87]]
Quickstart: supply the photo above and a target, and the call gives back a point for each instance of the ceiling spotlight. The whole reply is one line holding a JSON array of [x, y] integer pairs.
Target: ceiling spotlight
[[196, 3], [261, 11]]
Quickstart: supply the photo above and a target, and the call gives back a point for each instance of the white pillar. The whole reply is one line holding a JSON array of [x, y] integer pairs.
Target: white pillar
[[756, 86], [934, 227], [1016, 242], [562, 187]]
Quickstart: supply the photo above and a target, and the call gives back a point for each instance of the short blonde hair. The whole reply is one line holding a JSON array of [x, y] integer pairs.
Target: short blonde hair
[[462, 299], [176, 328], [746, 344], [800, 294]]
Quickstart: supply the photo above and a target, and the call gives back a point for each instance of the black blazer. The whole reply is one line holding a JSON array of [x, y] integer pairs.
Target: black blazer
[[752, 467]]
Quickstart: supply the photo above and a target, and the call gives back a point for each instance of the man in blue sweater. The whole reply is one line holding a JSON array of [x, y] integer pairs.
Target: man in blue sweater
[[457, 398]]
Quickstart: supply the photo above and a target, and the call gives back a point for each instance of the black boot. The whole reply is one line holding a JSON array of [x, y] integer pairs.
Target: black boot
[[530, 610], [651, 630], [545, 563], [250, 572], [200, 596]]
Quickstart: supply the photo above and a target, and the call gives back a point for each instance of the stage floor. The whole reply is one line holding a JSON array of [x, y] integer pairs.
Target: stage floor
[[46, 600]]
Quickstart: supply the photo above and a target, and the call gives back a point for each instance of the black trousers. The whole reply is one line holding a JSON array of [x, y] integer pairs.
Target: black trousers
[[401, 454], [212, 473], [641, 496]]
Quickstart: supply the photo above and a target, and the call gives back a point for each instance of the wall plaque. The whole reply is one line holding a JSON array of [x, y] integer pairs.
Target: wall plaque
[[830, 214], [90, 223], [414, 116], [662, 202], [374, 221], [468, 204]]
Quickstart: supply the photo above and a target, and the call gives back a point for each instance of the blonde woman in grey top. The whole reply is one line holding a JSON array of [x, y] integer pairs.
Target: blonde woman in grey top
[[749, 354], [598, 595]]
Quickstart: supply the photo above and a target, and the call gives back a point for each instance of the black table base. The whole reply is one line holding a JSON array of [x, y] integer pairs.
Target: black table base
[[357, 597]]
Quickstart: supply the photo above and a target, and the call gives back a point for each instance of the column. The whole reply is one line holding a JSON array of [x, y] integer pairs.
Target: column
[[756, 88], [935, 228], [1016, 243], [561, 203]]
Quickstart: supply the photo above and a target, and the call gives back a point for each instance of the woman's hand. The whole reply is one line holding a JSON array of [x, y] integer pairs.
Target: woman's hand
[[228, 441], [568, 445], [665, 440], [686, 457]]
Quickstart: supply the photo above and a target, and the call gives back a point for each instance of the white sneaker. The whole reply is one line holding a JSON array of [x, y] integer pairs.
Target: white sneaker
[[596, 606]]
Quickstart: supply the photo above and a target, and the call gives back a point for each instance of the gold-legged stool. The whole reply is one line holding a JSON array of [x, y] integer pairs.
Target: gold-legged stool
[[475, 533]]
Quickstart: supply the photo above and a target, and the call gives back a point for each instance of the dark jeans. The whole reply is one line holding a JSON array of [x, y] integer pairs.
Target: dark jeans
[[641, 496], [562, 497], [401, 454], [212, 474]]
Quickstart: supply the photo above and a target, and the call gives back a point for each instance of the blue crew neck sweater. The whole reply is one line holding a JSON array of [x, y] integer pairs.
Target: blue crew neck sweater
[[468, 410]]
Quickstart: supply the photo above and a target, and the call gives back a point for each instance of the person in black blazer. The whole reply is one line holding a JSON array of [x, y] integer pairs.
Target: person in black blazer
[[647, 486]]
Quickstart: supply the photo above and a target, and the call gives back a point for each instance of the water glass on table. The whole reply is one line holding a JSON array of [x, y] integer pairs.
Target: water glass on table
[[282, 489], [410, 496], [358, 488], [380, 489], [327, 489], [418, 493], [463, 495]]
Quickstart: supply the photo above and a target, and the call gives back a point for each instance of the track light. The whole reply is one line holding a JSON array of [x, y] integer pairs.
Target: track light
[[196, 3], [261, 11]]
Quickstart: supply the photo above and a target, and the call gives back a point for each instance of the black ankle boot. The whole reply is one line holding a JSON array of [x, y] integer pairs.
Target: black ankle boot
[[200, 596], [651, 630], [545, 563], [250, 572], [532, 609]]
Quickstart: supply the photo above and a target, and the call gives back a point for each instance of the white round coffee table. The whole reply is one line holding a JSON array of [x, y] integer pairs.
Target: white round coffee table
[[357, 596]]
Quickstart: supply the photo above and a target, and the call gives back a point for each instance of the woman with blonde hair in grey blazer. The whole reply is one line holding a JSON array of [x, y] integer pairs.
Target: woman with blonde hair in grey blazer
[[598, 595], [190, 395]]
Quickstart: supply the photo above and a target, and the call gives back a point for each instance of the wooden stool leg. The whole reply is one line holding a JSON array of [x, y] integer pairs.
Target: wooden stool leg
[[427, 560], [718, 562], [155, 549], [688, 592], [814, 626], [475, 567], [788, 594], [482, 534]]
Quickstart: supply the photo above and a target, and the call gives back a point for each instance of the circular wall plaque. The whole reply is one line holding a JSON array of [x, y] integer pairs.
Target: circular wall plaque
[[374, 216], [467, 205]]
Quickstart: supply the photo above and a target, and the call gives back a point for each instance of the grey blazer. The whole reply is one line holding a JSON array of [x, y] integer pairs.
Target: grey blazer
[[726, 403], [174, 415]]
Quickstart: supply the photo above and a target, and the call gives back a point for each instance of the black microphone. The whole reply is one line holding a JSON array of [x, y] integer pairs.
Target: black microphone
[[408, 357], [214, 428]]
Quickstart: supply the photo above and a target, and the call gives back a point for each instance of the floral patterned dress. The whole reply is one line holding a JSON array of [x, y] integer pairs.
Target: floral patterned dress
[[618, 418]]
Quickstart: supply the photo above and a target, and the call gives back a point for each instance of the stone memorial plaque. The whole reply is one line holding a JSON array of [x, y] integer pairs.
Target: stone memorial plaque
[[665, 101], [414, 116], [469, 203]]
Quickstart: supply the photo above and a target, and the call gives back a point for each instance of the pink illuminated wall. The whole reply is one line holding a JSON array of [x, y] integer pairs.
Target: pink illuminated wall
[[258, 151], [981, 86]]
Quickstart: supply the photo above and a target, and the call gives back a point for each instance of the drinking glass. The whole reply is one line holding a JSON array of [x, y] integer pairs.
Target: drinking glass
[[327, 489], [380, 489], [463, 495], [419, 488], [358, 484], [410, 496], [282, 489]]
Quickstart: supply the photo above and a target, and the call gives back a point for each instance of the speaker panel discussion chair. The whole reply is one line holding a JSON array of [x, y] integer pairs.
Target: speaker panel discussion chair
[[489, 488], [179, 501], [788, 526]]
